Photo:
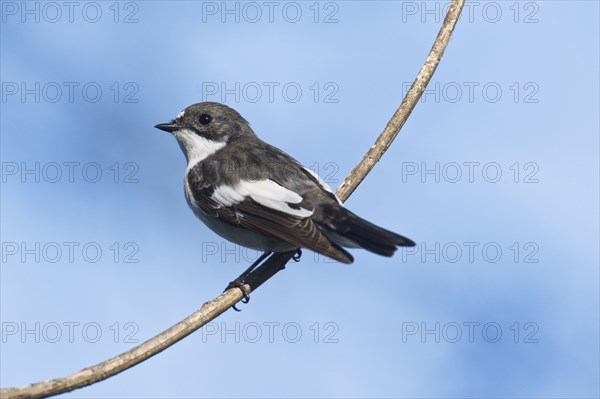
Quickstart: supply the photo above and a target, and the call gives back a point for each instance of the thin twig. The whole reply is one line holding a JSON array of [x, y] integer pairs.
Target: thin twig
[[211, 310], [393, 127]]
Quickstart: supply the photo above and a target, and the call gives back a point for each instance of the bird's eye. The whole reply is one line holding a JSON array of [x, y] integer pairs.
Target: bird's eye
[[205, 119]]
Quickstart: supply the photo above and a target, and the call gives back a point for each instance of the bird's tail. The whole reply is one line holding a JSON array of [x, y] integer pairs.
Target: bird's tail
[[351, 229]]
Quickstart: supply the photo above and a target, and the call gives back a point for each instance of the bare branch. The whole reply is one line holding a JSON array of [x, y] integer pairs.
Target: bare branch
[[101, 371], [393, 127], [211, 310]]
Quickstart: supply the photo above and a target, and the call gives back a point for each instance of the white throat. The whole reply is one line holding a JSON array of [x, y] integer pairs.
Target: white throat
[[196, 148]]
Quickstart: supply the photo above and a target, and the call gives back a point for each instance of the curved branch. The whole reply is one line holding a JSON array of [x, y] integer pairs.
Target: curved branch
[[212, 309], [393, 127]]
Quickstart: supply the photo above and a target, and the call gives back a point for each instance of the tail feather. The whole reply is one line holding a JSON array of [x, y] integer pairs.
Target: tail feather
[[338, 253], [367, 235]]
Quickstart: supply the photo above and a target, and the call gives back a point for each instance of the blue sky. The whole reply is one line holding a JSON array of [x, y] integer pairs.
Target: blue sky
[[495, 176]]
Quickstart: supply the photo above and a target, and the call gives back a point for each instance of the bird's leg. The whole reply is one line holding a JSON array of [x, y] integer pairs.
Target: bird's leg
[[239, 282]]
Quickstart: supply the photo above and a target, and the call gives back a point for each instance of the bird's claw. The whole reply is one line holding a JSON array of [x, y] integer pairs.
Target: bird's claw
[[240, 281], [297, 255], [242, 287]]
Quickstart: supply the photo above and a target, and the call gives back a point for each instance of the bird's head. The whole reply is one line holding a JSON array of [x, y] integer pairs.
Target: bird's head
[[203, 128]]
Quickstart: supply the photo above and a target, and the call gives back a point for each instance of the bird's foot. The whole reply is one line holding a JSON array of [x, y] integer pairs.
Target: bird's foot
[[239, 283], [297, 255]]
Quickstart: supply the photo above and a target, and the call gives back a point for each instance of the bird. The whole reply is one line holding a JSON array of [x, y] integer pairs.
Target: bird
[[257, 196]]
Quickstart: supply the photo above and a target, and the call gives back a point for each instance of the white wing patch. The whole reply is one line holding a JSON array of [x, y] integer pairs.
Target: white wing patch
[[227, 195], [324, 185], [265, 192]]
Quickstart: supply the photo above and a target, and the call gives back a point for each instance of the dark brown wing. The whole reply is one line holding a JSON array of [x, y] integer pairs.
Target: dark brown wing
[[300, 232]]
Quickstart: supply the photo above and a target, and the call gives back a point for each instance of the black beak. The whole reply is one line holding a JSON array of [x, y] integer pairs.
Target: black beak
[[168, 127]]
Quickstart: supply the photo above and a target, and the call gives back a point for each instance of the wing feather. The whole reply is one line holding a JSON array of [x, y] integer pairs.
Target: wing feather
[[266, 211]]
